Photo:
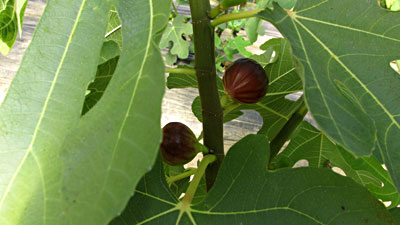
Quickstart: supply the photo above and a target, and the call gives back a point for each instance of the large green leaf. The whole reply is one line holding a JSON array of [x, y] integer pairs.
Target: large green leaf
[[350, 88], [396, 214], [246, 193], [43, 103], [107, 153], [312, 145]]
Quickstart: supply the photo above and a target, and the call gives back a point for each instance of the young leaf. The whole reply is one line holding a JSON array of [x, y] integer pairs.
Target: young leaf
[[107, 153], [173, 33], [43, 104], [253, 24], [312, 145], [351, 90], [237, 45], [245, 192]]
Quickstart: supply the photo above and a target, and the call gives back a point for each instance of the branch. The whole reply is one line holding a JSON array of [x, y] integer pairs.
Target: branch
[[207, 80], [188, 71], [287, 130], [235, 16]]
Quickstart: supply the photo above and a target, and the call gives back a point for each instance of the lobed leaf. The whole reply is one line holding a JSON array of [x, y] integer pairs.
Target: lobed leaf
[[103, 167], [312, 145], [173, 33], [43, 104], [305, 195], [55, 162], [350, 89]]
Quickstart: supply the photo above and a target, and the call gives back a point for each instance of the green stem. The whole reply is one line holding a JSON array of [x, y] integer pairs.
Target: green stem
[[287, 130], [188, 71], [230, 107], [235, 16], [212, 114], [181, 176], [196, 179], [175, 10], [216, 11]]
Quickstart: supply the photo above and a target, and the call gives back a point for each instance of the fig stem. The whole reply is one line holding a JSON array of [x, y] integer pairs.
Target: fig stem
[[287, 130], [216, 11], [234, 16], [175, 10], [181, 176], [230, 107], [201, 148], [187, 199], [188, 71]]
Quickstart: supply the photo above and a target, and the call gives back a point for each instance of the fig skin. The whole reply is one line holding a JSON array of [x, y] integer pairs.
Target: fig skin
[[179, 145], [245, 81]]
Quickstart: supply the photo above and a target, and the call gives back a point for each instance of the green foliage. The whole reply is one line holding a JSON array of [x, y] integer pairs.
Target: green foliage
[[344, 81], [312, 145], [274, 108], [179, 186], [80, 125], [236, 45], [100, 83], [278, 197], [393, 5], [58, 161], [173, 36], [11, 18], [229, 3], [396, 214]]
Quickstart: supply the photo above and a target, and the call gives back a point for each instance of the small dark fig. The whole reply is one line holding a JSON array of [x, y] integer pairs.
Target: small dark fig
[[179, 145], [245, 81]]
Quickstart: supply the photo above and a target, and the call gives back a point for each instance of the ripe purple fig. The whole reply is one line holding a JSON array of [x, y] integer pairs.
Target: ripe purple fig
[[245, 81], [179, 145]]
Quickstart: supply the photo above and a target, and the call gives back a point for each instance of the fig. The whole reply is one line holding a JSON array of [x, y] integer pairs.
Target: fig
[[179, 145], [245, 81]]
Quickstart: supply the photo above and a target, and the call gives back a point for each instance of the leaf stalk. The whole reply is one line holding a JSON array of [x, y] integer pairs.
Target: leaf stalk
[[181, 176], [191, 191], [287, 130], [187, 71], [234, 16]]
